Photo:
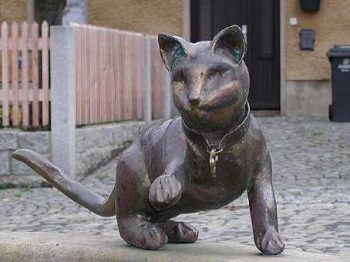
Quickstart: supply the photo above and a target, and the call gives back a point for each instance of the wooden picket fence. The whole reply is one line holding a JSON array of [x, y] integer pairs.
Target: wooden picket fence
[[110, 75], [24, 86]]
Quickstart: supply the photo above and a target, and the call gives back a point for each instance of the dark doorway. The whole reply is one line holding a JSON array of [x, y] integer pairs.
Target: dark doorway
[[50, 11], [262, 22]]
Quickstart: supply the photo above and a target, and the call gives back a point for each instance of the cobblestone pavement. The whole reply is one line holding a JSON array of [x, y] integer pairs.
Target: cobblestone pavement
[[311, 160]]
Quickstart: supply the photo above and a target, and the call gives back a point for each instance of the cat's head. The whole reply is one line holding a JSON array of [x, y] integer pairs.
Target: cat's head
[[210, 82]]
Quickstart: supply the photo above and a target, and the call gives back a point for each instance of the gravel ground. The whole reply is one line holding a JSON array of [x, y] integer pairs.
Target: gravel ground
[[311, 161]]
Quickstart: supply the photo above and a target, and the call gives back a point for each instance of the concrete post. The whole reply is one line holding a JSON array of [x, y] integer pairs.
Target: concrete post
[[147, 96], [186, 19], [63, 122], [30, 12], [75, 11]]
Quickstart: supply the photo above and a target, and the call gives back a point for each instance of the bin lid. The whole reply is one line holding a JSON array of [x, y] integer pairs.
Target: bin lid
[[339, 51]]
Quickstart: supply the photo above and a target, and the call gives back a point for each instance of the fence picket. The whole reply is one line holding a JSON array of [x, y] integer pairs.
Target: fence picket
[[95, 97], [112, 80], [5, 74], [35, 76], [92, 87], [134, 76], [103, 85], [15, 111], [86, 77], [129, 75], [109, 72], [79, 76], [135, 73], [25, 78], [140, 78], [122, 76], [45, 73], [118, 76]]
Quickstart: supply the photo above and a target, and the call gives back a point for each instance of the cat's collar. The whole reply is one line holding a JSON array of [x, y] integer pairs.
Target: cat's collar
[[227, 140], [198, 142]]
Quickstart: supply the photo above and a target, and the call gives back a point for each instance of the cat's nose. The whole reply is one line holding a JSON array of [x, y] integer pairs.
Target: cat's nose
[[194, 99], [195, 91]]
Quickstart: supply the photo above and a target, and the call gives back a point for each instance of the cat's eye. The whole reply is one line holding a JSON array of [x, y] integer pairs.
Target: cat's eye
[[179, 77], [216, 71]]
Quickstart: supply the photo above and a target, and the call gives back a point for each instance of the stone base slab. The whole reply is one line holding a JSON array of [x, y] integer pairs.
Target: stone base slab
[[31, 246]]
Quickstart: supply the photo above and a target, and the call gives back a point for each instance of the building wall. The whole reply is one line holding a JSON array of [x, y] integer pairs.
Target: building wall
[[13, 10], [332, 26], [151, 16], [308, 88]]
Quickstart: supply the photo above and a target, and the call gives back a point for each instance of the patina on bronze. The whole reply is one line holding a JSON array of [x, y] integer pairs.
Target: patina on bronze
[[202, 160]]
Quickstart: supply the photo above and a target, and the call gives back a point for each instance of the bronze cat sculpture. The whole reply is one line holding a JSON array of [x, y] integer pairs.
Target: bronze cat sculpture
[[202, 160]]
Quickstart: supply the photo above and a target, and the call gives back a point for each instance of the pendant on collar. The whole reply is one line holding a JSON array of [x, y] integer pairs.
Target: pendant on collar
[[213, 158]]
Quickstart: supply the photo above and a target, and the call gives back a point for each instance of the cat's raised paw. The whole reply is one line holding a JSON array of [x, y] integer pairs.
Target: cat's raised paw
[[164, 192], [271, 243]]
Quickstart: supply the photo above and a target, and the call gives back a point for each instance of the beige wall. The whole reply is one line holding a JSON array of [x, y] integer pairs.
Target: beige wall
[[11, 10], [148, 16], [332, 26]]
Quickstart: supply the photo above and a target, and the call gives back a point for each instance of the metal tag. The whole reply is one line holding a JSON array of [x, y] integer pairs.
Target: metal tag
[[213, 158]]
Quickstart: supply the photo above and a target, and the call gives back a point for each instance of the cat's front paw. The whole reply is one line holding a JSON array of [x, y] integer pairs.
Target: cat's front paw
[[164, 192], [180, 232], [271, 243]]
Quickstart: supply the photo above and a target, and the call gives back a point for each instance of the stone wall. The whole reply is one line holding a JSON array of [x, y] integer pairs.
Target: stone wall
[[94, 146], [12, 172], [98, 144]]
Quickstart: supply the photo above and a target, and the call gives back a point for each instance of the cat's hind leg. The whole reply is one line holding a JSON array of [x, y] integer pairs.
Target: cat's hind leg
[[180, 232], [132, 205]]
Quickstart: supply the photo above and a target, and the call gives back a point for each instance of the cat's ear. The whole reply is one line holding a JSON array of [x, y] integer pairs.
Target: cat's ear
[[230, 42], [171, 50]]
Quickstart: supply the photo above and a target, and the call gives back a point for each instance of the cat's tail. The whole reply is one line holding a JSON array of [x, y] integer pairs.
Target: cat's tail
[[66, 184]]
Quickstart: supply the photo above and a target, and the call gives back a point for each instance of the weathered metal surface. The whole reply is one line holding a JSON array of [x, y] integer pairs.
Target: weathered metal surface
[[202, 160]]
